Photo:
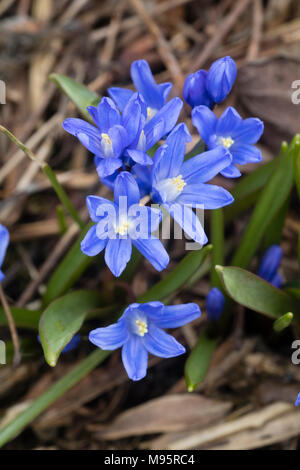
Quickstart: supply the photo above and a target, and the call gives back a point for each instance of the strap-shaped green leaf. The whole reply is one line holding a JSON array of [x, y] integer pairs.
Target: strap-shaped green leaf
[[256, 294], [178, 277], [23, 318], [79, 94], [247, 191], [198, 362], [68, 271], [271, 200], [62, 319]]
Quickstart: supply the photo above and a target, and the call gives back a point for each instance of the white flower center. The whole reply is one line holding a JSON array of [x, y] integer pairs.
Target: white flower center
[[226, 142], [122, 228], [106, 145], [171, 187], [150, 113], [142, 142], [142, 327]]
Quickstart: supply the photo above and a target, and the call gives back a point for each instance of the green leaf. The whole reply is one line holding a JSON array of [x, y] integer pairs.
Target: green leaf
[[271, 200], [178, 277], [62, 319], [248, 189], [283, 322], [253, 292], [294, 291], [23, 318], [198, 362], [217, 239], [274, 230], [79, 94], [68, 271]]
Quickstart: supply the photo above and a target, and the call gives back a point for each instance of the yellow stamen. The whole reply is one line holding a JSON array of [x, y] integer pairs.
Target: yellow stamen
[[106, 138], [143, 328], [179, 182], [150, 113], [122, 229], [226, 142]]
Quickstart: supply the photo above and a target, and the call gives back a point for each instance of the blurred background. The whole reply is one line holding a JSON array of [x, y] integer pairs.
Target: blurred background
[[95, 42]]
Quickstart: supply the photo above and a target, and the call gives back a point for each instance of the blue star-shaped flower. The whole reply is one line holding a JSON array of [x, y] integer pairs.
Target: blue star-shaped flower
[[120, 224], [230, 131], [180, 186], [119, 139], [139, 332]]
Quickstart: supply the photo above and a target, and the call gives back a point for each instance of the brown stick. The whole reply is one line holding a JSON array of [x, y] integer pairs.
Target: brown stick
[[257, 24], [222, 30], [163, 47], [12, 328]]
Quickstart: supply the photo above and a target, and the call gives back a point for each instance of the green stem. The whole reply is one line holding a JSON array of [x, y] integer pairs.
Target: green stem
[[49, 173], [217, 240], [54, 392], [62, 195]]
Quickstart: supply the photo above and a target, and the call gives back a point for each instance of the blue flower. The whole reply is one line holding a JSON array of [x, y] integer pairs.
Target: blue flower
[[215, 304], [120, 223], [4, 241], [220, 78], [268, 269], [207, 88], [297, 402], [120, 139], [179, 186], [231, 132], [195, 91], [139, 332], [154, 95]]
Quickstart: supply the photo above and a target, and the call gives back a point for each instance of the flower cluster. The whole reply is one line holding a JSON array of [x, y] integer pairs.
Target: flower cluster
[[139, 153]]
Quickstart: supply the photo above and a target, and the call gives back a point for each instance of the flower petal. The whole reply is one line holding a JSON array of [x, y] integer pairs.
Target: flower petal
[[249, 131], [205, 166], [154, 251], [166, 117], [221, 77], [243, 154], [4, 241], [92, 245], [126, 186], [231, 171], [86, 133], [117, 254], [205, 122], [107, 166], [105, 114], [209, 195], [228, 123], [270, 262], [188, 221], [93, 202], [120, 96], [111, 337], [175, 315], [161, 344], [170, 163], [145, 84], [140, 157], [135, 358]]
